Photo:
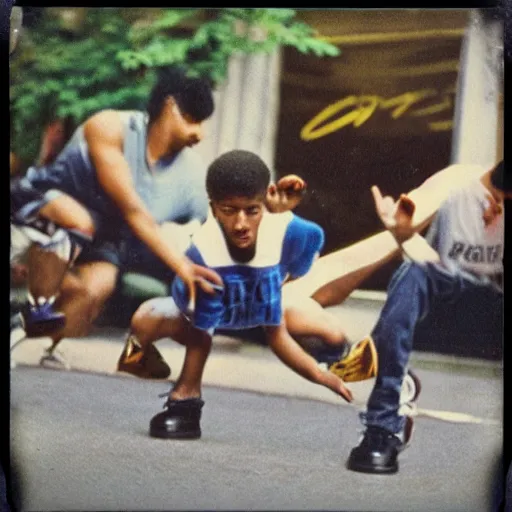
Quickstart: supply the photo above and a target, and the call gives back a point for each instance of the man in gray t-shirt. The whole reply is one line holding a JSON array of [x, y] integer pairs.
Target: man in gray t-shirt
[[101, 203], [464, 259]]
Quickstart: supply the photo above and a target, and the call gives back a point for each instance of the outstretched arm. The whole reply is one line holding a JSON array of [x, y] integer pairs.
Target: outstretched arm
[[104, 135], [293, 356], [334, 276]]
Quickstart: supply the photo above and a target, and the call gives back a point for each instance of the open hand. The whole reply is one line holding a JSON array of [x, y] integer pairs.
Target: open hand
[[395, 215], [286, 194], [337, 385], [343, 391], [196, 275]]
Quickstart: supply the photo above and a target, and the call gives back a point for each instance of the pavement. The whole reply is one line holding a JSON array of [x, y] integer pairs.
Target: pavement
[[271, 440], [79, 441], [237, 364]]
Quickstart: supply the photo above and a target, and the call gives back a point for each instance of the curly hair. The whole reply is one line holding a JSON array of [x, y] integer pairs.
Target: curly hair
[[237, 173]]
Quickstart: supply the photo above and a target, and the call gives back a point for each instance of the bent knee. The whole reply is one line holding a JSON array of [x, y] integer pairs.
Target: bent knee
[[88, 293], [153, 312], [83, 226], [98, 295], [141, 319], [335, 334], [69, 214], [415, 270], [73, 286]]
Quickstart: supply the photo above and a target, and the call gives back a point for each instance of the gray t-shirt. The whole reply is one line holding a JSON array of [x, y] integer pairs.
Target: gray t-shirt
[[462, 239], [173, 191]]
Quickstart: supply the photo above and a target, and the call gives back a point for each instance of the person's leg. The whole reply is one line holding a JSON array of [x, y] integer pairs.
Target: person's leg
[[47, 269], [68, 213], [181, 419], [154, 319], [198, 345], [411, 293], [318, 331], [83, 295], [56, 227], [306, 317]]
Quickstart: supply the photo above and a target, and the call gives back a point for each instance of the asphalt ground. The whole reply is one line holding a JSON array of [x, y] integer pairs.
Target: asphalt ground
[[271, 440], [79, 441]]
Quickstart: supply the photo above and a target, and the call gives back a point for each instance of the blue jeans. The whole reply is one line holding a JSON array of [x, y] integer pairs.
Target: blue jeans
[[413, 290]]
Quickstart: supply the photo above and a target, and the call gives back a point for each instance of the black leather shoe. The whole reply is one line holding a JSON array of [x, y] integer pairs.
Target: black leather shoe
[[377, 452], [181, 420]]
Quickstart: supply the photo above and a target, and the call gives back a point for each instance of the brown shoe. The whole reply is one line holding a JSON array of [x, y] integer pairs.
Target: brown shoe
[[146, 364]]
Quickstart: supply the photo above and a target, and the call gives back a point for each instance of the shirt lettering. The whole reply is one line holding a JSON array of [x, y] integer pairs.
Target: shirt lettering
[[475, 253]]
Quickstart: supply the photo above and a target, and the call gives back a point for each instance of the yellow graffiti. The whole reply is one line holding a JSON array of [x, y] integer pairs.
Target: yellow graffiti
[[404, 101], [361, 108], [440, 126]]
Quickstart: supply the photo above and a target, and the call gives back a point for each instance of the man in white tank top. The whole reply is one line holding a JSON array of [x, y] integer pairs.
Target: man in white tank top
[[464, 259]]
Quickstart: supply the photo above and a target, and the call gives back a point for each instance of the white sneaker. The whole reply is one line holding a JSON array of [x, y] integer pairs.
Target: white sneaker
[[55, 360], [411, 388]]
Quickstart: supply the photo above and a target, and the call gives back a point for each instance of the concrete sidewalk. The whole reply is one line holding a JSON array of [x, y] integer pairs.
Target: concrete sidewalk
[[80, 442], [232, 364], [358, 314]]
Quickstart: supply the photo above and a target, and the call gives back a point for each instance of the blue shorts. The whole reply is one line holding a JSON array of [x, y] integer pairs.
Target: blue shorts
[[129, 255]]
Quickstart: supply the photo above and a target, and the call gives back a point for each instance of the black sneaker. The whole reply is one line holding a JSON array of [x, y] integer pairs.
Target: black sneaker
[[330, 355], [146, 364], [377, 452], [181, 420]]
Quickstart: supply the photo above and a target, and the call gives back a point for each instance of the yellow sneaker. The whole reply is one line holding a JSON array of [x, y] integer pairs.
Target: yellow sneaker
[[359, 364]]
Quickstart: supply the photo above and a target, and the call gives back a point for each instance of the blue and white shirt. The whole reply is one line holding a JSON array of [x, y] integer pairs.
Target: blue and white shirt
[[286, 246]]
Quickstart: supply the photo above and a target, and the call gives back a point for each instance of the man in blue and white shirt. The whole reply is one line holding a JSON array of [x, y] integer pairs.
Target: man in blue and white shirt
[[254, 252]]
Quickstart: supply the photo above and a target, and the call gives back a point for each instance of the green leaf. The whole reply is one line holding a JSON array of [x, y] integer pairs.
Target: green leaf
[[100, 67]]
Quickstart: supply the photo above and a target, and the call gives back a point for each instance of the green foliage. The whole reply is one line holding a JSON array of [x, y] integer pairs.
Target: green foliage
[[108, 61]]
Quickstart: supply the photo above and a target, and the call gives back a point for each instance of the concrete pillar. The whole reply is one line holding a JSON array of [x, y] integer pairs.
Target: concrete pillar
[[246, 108], [477, 136]]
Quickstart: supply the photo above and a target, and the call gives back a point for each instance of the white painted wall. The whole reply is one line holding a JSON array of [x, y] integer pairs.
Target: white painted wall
[[480, 83], [246, 109]]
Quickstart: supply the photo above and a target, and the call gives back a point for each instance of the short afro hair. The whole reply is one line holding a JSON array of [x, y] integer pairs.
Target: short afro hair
[[193, 95], [237, 173]]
